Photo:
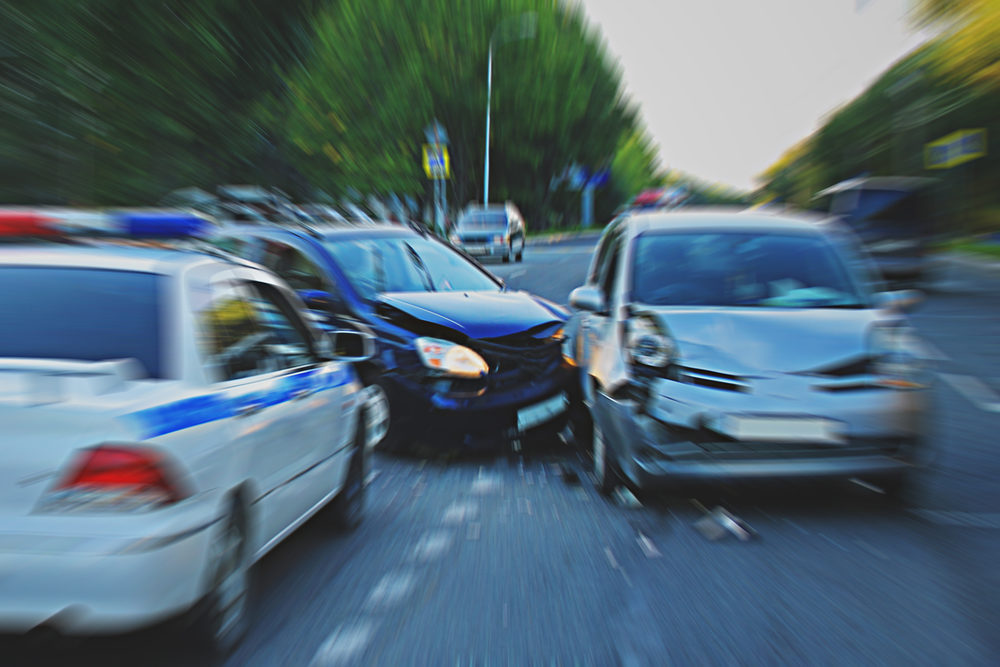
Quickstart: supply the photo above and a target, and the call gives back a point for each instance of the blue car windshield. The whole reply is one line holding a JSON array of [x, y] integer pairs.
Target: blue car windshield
[[406, 264], [742, 269], [81, 314]]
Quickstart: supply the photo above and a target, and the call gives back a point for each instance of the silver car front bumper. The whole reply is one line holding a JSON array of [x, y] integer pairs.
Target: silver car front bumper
[[683, 432]]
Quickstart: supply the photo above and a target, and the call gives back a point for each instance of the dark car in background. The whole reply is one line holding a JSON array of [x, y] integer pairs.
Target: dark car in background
[[461, 361], [491, 231], [895, 219]]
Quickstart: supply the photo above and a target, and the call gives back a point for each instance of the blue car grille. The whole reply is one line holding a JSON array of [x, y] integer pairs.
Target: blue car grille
[[513, 365]]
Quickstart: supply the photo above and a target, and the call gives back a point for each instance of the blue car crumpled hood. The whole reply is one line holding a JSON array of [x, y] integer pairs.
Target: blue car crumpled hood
[[478, 314]]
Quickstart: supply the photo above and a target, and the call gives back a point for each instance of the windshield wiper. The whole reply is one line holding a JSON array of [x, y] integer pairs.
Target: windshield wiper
[[428, 283]]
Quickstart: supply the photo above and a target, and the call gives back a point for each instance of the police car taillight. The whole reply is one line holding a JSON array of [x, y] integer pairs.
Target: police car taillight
[[116, 478]]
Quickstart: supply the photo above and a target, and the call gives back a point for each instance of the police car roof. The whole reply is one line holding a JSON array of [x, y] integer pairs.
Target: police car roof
[[115, 258]]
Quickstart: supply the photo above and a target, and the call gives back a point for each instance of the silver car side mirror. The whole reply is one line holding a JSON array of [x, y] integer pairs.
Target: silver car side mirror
[[589, 298], [900, 301]]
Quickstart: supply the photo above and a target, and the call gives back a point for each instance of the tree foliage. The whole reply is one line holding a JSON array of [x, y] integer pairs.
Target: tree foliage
[[118, 102], [380, 72], [885, 130]]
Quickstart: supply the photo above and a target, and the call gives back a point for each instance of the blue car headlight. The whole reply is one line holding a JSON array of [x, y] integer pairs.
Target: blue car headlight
[[452, 359]]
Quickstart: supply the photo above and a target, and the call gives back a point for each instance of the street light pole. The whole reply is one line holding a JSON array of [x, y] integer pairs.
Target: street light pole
[[489, 97], [527, 23]]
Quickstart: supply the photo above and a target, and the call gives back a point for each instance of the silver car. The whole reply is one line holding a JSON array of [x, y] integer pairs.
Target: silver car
[[494, 231], [736, 345]]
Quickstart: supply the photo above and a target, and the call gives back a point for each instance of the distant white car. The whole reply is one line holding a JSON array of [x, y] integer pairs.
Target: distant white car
[[494, 231], [167, 418]]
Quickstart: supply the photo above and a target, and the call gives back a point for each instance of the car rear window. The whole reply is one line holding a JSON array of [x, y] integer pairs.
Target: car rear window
[[81, 314], [483, 220]]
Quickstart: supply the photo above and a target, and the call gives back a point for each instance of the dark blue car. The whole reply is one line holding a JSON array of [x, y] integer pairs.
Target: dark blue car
[[462, 360]]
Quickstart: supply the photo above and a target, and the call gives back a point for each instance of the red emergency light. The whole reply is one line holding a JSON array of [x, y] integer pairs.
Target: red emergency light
[[23, 222]]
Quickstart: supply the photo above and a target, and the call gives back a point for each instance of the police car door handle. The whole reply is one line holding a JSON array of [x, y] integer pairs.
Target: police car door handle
[[299, 394], [248, 409]]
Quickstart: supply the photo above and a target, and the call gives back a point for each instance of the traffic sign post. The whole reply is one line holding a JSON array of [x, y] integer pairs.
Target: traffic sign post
[[955, 149], [437, 162], [437, 166]]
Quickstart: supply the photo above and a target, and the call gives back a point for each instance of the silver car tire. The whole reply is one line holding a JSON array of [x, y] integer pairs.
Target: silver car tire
[[606, 478]]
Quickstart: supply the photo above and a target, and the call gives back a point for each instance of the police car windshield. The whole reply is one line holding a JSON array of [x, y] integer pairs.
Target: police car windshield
[[406, 264], [81, 314]]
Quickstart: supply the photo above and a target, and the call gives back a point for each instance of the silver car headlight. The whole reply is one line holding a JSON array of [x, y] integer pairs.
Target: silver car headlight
[[890, 348], [447, 358], [646, 344]]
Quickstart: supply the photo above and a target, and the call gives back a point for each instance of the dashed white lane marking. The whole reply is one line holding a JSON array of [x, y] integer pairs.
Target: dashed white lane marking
[[516, 274], [484, 485], [961, 519], [795, 526], [391, 589], [432, 545], [973, 389], [928, 351], [475, 528], [647, 546], [457, 512], [371, 477], [870, 549], [346, 641], [616, 566], [524, 506], [833, 542]]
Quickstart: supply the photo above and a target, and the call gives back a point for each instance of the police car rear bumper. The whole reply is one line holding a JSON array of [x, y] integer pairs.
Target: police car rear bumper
[[90, 581]]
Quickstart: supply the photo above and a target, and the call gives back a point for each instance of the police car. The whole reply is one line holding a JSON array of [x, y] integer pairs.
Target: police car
[[168, 417]]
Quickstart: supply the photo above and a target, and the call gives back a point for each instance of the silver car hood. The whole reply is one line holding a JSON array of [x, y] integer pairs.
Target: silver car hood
[[752, 341]]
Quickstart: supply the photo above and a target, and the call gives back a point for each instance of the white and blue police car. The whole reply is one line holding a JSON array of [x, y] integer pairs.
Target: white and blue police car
[[168, 417]]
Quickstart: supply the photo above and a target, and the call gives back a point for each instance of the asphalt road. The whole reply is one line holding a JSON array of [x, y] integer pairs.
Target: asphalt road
[[518, 561]]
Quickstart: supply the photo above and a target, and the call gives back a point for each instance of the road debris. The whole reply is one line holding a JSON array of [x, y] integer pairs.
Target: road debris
[[719, 523]]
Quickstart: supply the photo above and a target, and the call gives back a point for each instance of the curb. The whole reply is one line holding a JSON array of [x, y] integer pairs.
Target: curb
[[971, 260], [549, 239]]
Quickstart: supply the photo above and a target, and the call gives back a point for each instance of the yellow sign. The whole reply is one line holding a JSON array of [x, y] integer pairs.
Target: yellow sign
[[437, 163], [955, 148]]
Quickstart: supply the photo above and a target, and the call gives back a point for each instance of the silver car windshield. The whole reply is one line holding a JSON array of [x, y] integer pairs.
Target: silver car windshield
[[742, 269]]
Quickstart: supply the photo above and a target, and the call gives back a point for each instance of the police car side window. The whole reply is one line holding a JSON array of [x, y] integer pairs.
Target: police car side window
[[289, 339], [232, 339]]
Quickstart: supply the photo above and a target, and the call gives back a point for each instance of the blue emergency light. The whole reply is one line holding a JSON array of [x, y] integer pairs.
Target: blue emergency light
[[161, 224]]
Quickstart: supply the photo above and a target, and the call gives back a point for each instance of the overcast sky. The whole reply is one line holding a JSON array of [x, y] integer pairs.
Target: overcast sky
[[725, 86]]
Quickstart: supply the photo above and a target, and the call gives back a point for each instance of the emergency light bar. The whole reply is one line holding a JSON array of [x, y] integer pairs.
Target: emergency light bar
[[129, 223]]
